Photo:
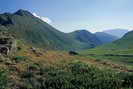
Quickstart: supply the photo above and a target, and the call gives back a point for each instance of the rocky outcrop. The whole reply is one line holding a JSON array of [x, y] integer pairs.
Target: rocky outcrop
[[7, 43]]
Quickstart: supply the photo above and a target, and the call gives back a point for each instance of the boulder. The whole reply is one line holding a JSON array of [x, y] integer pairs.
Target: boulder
[[73, 53]]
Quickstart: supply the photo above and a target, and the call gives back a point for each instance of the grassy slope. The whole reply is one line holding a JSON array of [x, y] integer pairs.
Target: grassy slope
[[54, 68]]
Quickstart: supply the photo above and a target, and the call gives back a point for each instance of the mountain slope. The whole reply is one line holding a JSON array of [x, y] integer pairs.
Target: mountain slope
[[105, 38], [86, 37], [117, 32], [125, 43], [37, 32], [119, 51]]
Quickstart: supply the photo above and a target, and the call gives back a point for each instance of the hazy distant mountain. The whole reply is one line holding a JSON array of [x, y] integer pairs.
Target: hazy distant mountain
[[105, 38], [117, 32], [85, 36]]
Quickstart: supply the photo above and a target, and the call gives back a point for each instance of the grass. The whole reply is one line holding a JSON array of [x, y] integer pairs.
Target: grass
[[117, 56], [3, 79], [73, 75], [56, 70], [119, 51], [59, 70], [19, 58]]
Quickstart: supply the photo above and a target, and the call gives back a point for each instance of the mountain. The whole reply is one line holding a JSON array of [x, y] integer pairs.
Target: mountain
[[25, 26], [117, 32], [120, 50], [35, 31], [86, 37], [125, 43], [105, 38]]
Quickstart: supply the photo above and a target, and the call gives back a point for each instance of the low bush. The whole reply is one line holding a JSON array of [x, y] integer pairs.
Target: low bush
[[75, 75], [3, 79], [19, 58], [89, 77], [127, 79]]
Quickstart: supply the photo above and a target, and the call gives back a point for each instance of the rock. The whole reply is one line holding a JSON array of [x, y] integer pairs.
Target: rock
[[33, 49], [7, 43], [73, 53], [37, 53]]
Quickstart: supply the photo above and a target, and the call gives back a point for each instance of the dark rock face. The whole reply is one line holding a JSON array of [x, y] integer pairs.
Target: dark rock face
[[7, 43], [4, 50], [5, 21]]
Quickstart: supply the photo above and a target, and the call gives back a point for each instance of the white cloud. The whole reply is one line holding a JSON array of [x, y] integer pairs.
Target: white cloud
[[45, 19]]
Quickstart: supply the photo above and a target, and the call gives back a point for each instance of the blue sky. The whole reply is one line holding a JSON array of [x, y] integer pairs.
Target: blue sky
[[70, 15]]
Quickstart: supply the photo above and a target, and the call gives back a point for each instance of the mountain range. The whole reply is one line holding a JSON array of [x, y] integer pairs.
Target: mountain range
[[124, 43], [25, 26], [32, 30]]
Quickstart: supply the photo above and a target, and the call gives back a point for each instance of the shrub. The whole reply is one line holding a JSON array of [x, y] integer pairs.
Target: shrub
[[19, 58], [89, 77], [127, 79], [80, 76], [19, 48], [76, 75], [3, 79]]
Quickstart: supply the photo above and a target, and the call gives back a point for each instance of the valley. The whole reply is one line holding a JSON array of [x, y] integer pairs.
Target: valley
[[40, 56]]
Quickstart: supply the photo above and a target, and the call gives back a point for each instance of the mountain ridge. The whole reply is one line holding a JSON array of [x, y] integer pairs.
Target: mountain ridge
[[38, 33], [86, 36]]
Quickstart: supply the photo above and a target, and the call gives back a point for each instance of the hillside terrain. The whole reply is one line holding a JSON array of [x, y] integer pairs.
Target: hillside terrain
[[29, 69]]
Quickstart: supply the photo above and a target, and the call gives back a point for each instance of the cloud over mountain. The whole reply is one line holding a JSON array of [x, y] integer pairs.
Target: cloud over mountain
[[45, 19]]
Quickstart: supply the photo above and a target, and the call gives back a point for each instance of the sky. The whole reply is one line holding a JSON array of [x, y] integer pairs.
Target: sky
[[70, 15]]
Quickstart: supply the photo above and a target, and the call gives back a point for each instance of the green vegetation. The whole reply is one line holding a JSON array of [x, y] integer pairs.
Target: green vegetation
[[75, 75], [19, 58], [3, 79], [117, 56]]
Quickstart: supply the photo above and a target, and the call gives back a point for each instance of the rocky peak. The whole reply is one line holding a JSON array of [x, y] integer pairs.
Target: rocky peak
[[22, 12]]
